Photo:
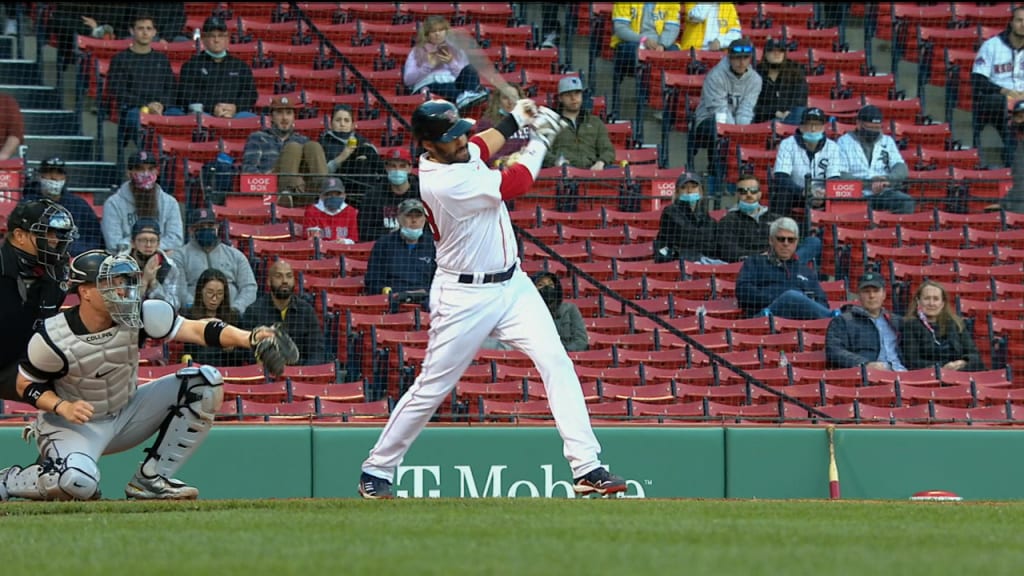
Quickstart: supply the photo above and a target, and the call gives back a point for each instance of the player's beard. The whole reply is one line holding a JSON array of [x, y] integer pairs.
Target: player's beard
[[458, 156]]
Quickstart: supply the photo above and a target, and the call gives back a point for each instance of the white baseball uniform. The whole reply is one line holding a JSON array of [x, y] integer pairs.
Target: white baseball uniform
[[479, 290]]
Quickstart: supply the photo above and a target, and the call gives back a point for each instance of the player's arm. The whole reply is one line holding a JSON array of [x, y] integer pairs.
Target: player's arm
[[43, 364], [492, 139], [161, 322], [213, 333]]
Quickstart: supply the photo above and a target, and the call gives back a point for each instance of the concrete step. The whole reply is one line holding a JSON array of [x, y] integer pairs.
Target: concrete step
[[87, 174], [70, 148], [51, 122], [36, 97], [20, 72]]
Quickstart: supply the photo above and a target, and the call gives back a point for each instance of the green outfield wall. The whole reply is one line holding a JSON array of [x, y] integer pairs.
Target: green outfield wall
[[659, 462]]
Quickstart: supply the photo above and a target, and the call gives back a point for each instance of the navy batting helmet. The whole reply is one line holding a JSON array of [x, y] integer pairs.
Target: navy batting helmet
[[438, 121]]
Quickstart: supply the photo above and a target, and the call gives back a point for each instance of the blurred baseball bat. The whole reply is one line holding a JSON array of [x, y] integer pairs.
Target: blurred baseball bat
[[833, 470], [481, 63]]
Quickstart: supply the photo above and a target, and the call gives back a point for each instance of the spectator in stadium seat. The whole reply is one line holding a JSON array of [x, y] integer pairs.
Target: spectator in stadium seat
[[161, 277], [642, 26], [1014, 199], [778, 282], [206, 250], [783, 94], [685, 230], [279, 149], [332, 218], [212, 299], [585, 143], [996, 80], [499, 105], [865, 333], [743, 230], [808, 152], [378, 210], [12, 127], [279, 305], [51, 183], [933, 334], [141, 197], [874, 158], [213, 80], [403, 261], [96, 20], [348, 153], [709, 25], [572, 330], [728, 96], [141, 77], [440, 67]]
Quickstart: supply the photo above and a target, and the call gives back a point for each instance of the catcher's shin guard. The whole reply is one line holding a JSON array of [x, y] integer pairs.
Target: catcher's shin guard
[[74, 477], [199, 397]]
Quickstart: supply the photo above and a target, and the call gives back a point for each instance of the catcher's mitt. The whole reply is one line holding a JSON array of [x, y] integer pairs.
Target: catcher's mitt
[[275, 351]]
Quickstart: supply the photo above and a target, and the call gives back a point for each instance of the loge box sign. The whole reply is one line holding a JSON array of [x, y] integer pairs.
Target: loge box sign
[[844, 196], [262, 184], [661, 194]]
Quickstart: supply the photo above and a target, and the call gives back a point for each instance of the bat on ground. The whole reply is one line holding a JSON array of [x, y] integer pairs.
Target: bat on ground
[[481, 63], [833, 470]]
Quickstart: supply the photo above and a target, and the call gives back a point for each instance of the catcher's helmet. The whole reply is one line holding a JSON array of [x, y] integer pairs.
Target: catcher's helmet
[[118, 279], [85, 268], [438, 121]]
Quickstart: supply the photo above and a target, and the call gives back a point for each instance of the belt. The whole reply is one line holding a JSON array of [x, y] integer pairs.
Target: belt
[[487, 278]]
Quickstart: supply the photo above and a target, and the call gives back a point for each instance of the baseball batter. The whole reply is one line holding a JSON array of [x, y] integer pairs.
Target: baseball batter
[[479, 289], [81, 372]]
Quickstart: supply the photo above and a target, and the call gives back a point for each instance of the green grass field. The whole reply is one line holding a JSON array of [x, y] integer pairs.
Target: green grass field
[[522, 537]]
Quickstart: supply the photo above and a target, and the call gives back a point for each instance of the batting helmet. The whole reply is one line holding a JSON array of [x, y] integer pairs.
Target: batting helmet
[[438, 121]]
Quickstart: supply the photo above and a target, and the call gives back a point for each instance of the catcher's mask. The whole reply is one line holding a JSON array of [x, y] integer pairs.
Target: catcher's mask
[[118, 280]]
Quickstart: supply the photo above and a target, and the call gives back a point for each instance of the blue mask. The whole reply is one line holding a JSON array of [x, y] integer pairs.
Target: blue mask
[[690, 198], [411, 233], [398, 177], [334, 203], [207, 237], [748, 207], [217, 55], [813, 137]]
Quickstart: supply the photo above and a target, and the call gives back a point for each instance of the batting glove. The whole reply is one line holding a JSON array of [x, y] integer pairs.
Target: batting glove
[[524, 111], [546, 125]]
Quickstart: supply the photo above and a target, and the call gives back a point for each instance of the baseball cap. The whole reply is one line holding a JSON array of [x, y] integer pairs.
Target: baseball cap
[[686, 177], [332, 185], [569, 84], [871, 280], [145, 225], [399, 154], [813, 113], [215, 24], [774, 44], [140, 158], [284, 103], [53, 164], [410, 205], [870, 113], [203, 216], [741, 47]]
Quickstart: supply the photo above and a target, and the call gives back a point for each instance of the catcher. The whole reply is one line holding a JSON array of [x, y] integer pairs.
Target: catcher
[[81, 372]]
